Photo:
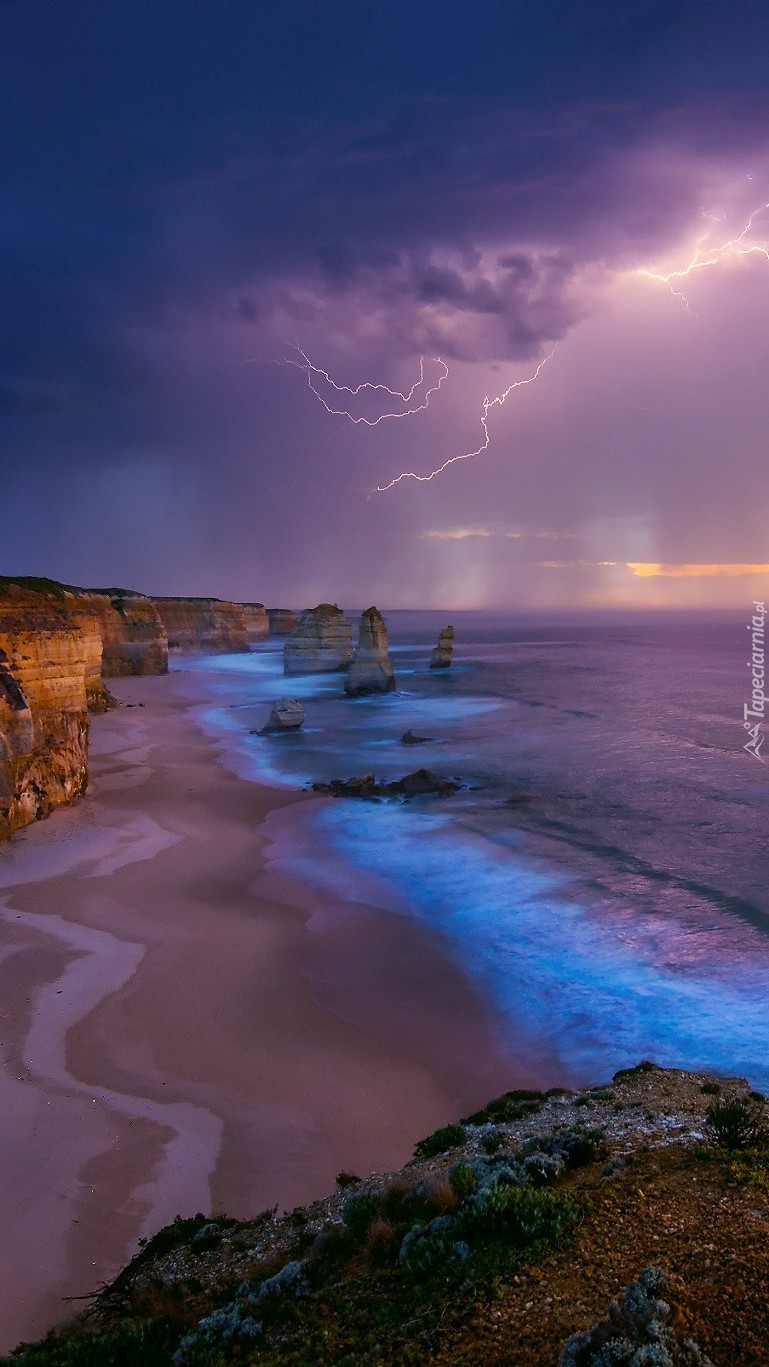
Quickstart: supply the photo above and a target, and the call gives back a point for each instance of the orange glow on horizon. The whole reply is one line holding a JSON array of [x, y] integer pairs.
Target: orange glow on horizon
[[649, 570]]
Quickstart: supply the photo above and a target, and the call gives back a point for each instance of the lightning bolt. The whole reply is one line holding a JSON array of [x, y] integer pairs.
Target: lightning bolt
[[704, 258], [487, 405], [306, 365]]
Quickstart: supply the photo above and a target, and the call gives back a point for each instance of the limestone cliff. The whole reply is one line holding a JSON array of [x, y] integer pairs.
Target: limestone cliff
[[257, 621], [441, 656], [134, 638], [43, 709], [321, 642], [281, 620], [207, 624], [371, 671]]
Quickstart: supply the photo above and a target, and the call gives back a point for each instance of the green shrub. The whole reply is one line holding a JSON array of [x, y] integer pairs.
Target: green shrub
[[147, 1346], [710, 1088], [521, 1216], [493, 1141], [636, 1331], [508, 1107], [346, 1179], [643, 1067], [736, 1123], [441, 1141], [577, 1145], [463, 1179], [359, 1211]]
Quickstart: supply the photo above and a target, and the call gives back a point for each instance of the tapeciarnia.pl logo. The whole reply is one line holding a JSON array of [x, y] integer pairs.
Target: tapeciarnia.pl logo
[[753, 713]]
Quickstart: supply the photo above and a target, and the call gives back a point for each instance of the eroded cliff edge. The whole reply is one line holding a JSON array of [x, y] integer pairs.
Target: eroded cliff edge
[[45, 656], [58, 644], [206, 624]]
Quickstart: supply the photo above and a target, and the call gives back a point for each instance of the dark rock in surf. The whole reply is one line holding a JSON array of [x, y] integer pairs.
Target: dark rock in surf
[[420, 783]]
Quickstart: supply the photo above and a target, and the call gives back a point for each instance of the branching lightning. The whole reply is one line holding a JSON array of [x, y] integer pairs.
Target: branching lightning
[[417, 398], [704, 257], [311, 370], [488, 404]]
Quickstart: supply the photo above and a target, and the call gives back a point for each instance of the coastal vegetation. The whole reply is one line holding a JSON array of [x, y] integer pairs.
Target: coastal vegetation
[[501, 1242]]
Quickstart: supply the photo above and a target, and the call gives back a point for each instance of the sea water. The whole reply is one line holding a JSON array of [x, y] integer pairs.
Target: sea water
[[601, 874]]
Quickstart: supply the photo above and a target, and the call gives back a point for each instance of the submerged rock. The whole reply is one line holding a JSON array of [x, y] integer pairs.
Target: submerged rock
[[371, 671], [320, 644], [441, 656], [287, 714], [408, 738], [417, 784]]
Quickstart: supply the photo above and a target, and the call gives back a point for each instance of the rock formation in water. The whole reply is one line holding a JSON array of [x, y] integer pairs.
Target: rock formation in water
[[281, 620], [257, 621], [287, 714], [408, 738], [134, 638], [441, 656], [207, 624], [371, 670], [418, 784], [43, 707], [321, 642]]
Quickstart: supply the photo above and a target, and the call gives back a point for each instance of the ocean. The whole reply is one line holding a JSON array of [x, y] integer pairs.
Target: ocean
[[601, 876]]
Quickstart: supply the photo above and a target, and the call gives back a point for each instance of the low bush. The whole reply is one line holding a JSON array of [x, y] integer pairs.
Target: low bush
[[135, 1346], [577, 1145], [636, 1331], [643, 1067], [359, 1211], [441, 1141], [241, 1322], [736, 1123], [508, 1107]]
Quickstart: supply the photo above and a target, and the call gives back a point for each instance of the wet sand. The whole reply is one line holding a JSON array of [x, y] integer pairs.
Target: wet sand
[[184, 1028]]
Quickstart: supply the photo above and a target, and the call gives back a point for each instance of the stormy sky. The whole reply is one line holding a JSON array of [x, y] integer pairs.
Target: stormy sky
[[200, 199]]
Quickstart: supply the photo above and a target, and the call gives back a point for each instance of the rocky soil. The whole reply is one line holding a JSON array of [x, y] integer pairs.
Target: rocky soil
[[653, 1188]]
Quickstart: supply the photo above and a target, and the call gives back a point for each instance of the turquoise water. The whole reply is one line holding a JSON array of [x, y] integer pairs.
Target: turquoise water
[[601, 877]]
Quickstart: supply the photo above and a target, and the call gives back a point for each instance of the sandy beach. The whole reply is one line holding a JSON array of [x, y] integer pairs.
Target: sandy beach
[[186, 1030]]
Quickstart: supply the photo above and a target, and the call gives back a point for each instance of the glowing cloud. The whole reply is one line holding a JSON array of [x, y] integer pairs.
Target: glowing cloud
[[574, 564], [707, 256], [653, 571], [457, 533]]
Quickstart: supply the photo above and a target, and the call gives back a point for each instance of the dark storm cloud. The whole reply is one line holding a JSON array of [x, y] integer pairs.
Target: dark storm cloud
[[448, 171]]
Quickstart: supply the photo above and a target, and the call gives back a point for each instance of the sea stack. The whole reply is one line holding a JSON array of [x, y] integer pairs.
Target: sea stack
[[371, 671], [441, 656], [321, 642], [287, 714]]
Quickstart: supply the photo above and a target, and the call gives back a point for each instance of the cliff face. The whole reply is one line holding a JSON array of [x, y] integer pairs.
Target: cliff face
[[44, 656], [257, 621], [134, 639], [206, 624], [371, 670], [281, 620], [85, 620], [320, 644]]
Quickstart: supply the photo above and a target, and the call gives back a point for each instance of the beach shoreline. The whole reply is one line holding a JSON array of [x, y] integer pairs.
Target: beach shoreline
[[187, 1029]]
